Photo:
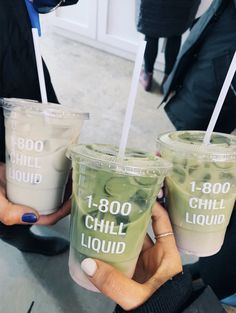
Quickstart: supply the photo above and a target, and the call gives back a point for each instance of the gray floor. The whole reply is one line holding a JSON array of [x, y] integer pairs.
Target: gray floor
[[97, 83]]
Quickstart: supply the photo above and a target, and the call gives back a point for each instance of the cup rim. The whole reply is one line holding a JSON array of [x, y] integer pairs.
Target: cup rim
[[48, 109], [201, 151], [150, 165]]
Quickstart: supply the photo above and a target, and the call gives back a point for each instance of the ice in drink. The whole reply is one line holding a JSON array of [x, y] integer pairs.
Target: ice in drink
[[37, 137], [111, 206], [201, 190]]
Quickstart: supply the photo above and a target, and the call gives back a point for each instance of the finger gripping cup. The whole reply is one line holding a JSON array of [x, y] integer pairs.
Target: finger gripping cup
[[201, 188], [111, 205]]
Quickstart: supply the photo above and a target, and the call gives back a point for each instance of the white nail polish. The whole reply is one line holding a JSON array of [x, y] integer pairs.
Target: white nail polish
[[160, 194], [89, 266]]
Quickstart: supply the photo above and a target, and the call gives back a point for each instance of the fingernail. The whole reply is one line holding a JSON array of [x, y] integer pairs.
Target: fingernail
[[89, 266], [29, 218], [160, 194]]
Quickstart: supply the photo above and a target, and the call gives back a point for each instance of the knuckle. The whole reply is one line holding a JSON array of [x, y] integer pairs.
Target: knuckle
[[155, 282], [108, 279], [175, 266], [6, 219], [108, 282], [10, 215], [52, 222], [131, 304], [141, 295]]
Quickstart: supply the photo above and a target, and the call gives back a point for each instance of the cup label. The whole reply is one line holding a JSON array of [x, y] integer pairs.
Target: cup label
[[207, 204], [26, 144], [104, 226], [110, 214], [23, 160], [201, 204]]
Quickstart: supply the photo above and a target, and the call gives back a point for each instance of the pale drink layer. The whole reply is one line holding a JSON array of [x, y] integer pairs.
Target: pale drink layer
[[36, 144], [201, 188]]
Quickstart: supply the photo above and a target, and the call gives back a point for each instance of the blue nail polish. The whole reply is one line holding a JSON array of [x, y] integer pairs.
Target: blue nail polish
[[29, 218]]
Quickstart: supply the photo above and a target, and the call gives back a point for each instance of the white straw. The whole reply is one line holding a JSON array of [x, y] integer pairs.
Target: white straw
[[220, 101], [39, 63], [132, 97]]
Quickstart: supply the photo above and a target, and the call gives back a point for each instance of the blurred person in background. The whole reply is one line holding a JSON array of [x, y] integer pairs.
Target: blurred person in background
[[168, 19], [191, 92], [19, 79]]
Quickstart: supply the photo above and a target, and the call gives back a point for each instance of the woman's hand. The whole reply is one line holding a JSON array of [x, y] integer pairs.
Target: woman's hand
[[157, 263], [11, 214]]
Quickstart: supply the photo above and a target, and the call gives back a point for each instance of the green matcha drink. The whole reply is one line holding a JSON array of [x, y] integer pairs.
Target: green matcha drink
[[201, 190], [111, 205]]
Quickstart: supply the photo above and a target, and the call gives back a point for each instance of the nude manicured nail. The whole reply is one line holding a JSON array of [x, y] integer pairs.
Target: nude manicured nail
[[89, 266]]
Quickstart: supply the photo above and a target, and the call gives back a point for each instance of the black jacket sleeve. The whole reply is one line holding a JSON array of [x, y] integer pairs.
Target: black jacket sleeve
[[2, 136], [169, 298], [179, 296], [69, 2], [53, 3], [17, 60], [204, 300]]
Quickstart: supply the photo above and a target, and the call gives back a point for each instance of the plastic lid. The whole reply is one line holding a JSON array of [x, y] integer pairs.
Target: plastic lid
[[135, 162], [222, 146], [47, 109]]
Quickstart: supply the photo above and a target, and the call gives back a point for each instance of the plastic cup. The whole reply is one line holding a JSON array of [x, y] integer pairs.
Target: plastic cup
[[37, 137], [201, 188], [111, 206]]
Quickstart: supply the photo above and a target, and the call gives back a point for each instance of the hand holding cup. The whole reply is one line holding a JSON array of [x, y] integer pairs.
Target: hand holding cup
[[158, 262], [11, 213]]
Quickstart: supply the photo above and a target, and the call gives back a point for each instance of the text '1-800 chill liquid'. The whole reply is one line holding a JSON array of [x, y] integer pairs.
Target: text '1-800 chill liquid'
[[37, 137], [201, 188], [111, 205]]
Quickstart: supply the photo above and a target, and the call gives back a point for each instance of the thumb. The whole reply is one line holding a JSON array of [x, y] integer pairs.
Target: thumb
[[11, 214], [122, 290]]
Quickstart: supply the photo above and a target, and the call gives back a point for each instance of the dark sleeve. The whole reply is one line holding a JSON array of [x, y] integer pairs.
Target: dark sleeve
[[69, 2], [169, 298], [204, 300], [53, 3], [2, 137]]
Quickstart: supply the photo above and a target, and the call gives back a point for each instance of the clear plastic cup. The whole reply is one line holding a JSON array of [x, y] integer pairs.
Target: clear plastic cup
[[201, 189], [37, 137], [111, 205]]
